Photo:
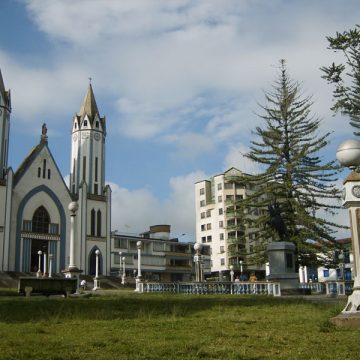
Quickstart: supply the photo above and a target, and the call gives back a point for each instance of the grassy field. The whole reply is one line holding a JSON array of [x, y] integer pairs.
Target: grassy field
[[143, 326]]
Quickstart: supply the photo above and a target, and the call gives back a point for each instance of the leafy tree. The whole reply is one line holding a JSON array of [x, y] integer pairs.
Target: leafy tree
[[295, 183], [346, 76]]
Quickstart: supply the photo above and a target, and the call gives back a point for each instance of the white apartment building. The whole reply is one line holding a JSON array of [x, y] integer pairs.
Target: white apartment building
[[219, 221]]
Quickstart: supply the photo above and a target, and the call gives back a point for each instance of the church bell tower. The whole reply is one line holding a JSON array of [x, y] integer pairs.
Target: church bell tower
[[88, 147]]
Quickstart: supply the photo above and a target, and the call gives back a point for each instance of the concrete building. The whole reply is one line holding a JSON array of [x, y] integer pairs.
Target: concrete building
[[343, 265], [162, 258], [219, 221], [34, 200]]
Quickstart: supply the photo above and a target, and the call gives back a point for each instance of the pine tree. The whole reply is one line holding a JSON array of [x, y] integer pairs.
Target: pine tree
[[294, 182], [346, 77]]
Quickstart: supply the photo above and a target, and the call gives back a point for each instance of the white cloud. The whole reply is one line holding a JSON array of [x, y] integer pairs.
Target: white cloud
[[186, 73], [133, 211], [180, 206], [158, 58], [235, 158]]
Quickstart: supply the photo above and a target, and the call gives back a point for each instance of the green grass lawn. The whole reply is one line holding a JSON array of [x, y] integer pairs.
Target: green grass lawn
[[155, 326]]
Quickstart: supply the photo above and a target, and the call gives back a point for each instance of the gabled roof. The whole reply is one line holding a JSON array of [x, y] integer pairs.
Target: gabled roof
[[27, 162], [29, 159]]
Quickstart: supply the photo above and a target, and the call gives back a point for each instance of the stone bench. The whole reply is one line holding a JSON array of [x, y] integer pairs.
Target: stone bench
[[46, 286]]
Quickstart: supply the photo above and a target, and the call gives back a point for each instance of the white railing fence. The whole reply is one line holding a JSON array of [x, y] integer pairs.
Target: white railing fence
[[240, 288]]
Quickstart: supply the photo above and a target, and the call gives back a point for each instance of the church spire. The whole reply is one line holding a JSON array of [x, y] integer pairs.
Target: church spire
[[89, 106]]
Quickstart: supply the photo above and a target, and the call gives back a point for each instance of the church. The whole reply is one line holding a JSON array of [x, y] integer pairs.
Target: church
[[34, 199]]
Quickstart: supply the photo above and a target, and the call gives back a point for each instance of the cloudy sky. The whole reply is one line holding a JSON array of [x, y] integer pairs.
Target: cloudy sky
[[178, 80]]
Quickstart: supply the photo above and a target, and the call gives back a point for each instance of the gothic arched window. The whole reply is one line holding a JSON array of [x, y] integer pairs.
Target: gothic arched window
[[98, 232], [92, 222], [41, 221]]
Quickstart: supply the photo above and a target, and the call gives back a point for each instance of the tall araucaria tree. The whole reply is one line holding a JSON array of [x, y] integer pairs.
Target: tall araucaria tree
[[346, 76], [295, 181]]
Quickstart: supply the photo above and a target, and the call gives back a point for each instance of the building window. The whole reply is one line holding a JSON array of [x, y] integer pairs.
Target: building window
[[96, 169], [202, 215], [202, 191], [220, 211], [202, 203], [222, 261], [228, 186], [97, 124], [92, 222], [39, 172], [84, 167], [209, 238], [120, 243], [41, 221], [208, 226], [85, 122], [222, 250], [220, 186], [208, 213], [221, 224], [98, 232], [326, 273], [96, 188], [44, 168], [203, 239], [203, 227], [49, 173], [219, 198], [221, 236]]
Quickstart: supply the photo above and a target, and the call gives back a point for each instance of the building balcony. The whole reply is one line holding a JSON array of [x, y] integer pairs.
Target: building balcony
[[236, 240], [236, 253], [235, 227], [184, 268], [234, 179], [238, 267], [234, 214]]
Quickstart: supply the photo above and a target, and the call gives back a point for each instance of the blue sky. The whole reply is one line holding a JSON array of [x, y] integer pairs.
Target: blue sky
[[179, 82]]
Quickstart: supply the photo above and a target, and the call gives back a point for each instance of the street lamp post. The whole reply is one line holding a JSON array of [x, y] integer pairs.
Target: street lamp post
[[38, 274], [241, 270], [120, 266], [199, 276], [341, 265], [45, 264], [96, 279], [72, 271], [51, 257], [124, 273], [138, 278], [73, 207], [348, 154], [231, 273]]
